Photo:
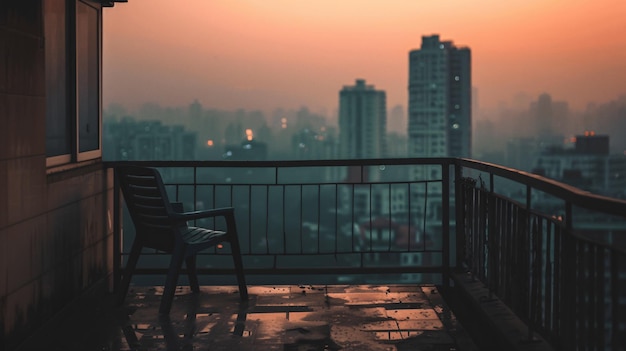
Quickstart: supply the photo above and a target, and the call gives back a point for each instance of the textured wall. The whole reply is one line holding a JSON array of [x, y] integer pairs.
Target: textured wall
[[55, 236]]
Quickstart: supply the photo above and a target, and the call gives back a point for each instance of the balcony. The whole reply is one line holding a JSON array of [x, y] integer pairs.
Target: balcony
[[529, 262]]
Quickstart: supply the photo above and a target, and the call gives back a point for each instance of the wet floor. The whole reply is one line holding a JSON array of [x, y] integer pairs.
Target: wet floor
[[275, 318]]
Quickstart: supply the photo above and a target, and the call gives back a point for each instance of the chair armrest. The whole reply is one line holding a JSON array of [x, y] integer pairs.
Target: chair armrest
[[190, 216], [178, 207]]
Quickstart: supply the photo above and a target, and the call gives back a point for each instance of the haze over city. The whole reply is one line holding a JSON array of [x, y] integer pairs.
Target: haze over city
[[265, 55]]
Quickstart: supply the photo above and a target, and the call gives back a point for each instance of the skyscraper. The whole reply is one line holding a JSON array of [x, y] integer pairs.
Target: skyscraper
[[439, 119], [439, 100], [362, 134], [362, 121]]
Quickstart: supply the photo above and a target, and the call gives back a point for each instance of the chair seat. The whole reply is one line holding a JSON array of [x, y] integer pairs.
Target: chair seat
[[195, 235]]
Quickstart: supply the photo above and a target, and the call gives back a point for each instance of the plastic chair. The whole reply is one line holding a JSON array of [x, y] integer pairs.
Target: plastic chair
[[162, 225]]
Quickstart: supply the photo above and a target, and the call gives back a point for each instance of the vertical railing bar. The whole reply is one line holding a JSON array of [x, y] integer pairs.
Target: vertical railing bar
[[118, 241], [214, 201], [568, 291], [600, 318], [528, 262], [475, 234], [500, 244], [301, 218], [445, 221], [361, 168], [548, 279], [591, 310], [267, 216], [336, 218], [249, 186], [512, 216], [482, 233], [557, 294], [371, 225], [319, 215], [472, 234], [460, 205], [538, 273], [425, 212], [389, 215], [491, 238], [494, 241], [409, 218], [581, 304], [616, 343], [195, 188], [284, 227], [352, 214], [570, 297]]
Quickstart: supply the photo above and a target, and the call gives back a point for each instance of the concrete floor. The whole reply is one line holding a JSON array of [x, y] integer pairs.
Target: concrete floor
[[322, 317]]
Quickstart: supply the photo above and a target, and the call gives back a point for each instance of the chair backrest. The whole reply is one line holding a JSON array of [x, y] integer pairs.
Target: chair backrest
[[148, 205]]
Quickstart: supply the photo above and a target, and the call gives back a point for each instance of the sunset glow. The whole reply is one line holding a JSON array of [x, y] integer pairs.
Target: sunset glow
[[282, 53]]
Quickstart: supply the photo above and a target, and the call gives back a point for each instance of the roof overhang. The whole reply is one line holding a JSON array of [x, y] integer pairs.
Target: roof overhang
[[110, 3]]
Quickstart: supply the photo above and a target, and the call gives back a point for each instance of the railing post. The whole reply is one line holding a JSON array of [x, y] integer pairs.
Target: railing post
[[445, 221]]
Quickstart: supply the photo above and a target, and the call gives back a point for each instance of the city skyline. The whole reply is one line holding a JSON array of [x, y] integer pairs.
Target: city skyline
[[292, 54]]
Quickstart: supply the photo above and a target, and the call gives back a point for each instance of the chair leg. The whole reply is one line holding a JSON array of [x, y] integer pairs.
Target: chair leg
[[236, 252], [192, 273], [135, 251], [172, 280]]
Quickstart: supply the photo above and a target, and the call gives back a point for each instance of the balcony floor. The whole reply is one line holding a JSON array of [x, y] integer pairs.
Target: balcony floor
[[362, 317]]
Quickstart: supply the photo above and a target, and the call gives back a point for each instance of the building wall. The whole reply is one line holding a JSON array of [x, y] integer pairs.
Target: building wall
[[55, 236], [362, 121]]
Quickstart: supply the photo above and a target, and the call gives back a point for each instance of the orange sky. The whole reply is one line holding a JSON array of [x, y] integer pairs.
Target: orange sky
[[288, 53]]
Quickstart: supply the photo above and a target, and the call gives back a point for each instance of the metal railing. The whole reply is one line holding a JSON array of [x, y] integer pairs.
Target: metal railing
[[551, 252], [332, 218]]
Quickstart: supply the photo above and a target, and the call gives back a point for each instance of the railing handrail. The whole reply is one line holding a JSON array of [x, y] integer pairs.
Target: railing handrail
[[575, 196], [293, 163], [571, 194]]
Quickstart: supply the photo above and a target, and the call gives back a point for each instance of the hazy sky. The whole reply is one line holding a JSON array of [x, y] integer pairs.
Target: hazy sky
[[270, 53]]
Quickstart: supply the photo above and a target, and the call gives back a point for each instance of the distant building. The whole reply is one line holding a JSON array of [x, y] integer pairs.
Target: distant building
[[440, 116], [362, 134], [396, 121], [396, 145], [439, 100], [134, 140], [362, 121], [308, 144], [588, 166], [547, 115], [521, 153]]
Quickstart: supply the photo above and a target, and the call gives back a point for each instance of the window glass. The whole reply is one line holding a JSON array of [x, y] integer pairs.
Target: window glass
[[58, 116], [88, 77]]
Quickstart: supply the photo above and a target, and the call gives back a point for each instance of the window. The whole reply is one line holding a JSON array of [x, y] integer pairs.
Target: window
[[73, 80]]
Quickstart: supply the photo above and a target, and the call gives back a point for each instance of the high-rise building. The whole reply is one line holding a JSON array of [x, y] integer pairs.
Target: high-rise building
[[362, 121], [439, 120], [439, 100], [362, 134]]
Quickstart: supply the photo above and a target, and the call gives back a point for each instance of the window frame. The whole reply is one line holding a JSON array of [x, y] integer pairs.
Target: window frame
[[72, 75]]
